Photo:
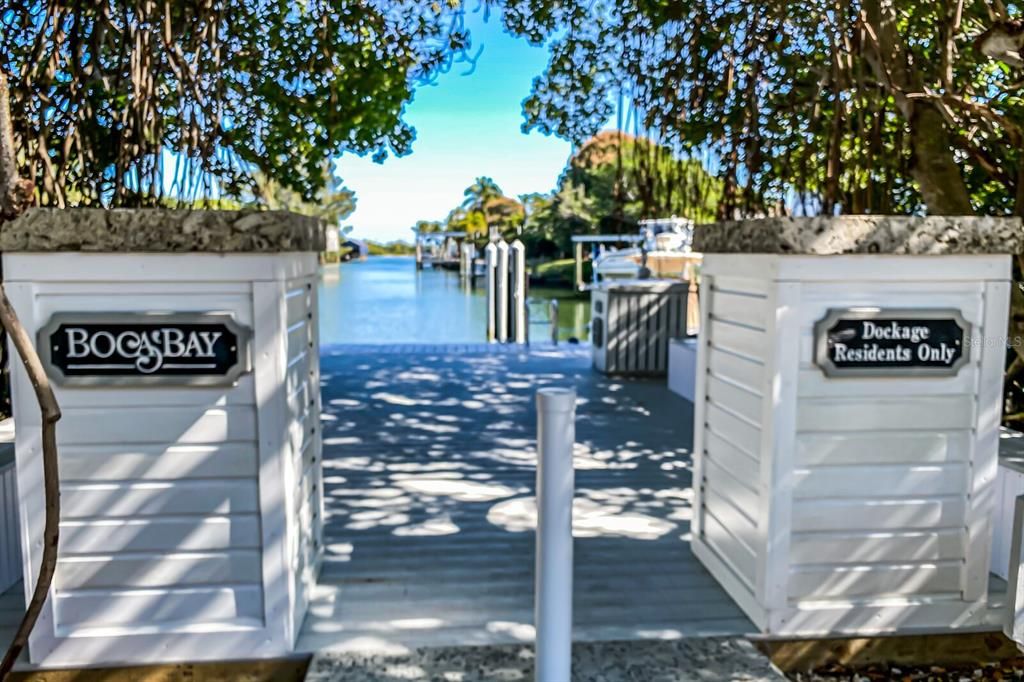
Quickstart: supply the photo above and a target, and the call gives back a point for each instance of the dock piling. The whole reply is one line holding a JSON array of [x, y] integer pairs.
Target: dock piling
[[556, 434]]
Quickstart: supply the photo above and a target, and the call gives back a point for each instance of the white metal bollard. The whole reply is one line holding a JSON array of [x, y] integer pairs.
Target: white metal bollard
[[556, 433], [517, 279], [501, 293], [491, 261]]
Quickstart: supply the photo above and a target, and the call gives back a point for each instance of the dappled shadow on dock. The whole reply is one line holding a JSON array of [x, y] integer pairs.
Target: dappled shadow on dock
[[429, 466]]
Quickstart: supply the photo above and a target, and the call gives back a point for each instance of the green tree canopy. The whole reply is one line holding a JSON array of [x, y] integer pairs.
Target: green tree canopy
[[123, 103], [862, 106], [332, 203], [630, 178]]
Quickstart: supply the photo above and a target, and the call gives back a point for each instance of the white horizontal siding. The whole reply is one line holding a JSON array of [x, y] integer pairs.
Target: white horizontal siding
[[878, 413], [724, 485], [300, 339], [898, 546], [735, 344], [104, 608], [923, 513], [300, 400], [745, 341], [735, 430], [813, 383], [297, 301], [50, 300], [296, 373], [912, 447], [880, 481], [742, 308], [817, 297], [740, 401], [160, 534], [206, 396], [150, 478], [302, 446], [305, 458], [862, 483], [159, 498], [131, 424], [161, 530], [737, 369], [749, 286], [874, 580], [158, 569], [157, 461], [738, 556], [740, 464]]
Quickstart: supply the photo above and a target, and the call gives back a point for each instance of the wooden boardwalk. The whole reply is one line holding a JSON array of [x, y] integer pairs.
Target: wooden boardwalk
[[429, 469], [12, 608]]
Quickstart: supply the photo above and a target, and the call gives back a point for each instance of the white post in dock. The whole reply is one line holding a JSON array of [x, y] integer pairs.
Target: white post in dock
[[491, 262], [556, 433], [501, 292], [517, 253]]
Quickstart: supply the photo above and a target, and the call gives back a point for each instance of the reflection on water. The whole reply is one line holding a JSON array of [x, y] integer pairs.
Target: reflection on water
[[385, 300]]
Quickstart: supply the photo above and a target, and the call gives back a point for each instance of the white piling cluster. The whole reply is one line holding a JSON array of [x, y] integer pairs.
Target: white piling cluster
[[506, 279]]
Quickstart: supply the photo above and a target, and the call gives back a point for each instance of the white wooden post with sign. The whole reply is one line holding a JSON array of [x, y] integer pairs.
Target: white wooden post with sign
[[188, 376], [848, 404]]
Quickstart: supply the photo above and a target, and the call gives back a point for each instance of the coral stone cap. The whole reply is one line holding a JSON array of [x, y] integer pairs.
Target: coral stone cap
[[161, 231], [897, 235]]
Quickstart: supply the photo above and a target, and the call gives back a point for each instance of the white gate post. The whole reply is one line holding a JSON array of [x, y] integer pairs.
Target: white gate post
[[491, 262], [520, 329], [556, 433], [501, 292]]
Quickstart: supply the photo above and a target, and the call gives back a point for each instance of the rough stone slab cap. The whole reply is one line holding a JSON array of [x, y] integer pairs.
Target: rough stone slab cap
[[826, 235], [161, 231]]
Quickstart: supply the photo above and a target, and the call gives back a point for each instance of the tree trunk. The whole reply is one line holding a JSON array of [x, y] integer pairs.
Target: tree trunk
[[1018, 203], [933, 166], [8, 162], [938, 177]]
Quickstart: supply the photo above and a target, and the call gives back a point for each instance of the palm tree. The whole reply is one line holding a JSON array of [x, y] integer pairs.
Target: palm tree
[[482, 191]]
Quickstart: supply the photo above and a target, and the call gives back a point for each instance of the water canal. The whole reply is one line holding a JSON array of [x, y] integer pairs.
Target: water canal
[[385, 300]]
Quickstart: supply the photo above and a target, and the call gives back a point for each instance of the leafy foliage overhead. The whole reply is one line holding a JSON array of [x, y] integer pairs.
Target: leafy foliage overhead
[[120, 102], [862, 106]]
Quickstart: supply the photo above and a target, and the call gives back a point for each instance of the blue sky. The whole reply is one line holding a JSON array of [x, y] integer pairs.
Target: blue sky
[[466, 126]]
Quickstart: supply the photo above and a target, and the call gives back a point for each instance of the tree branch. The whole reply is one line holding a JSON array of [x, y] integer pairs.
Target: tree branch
[[51, 532], [15, 195]]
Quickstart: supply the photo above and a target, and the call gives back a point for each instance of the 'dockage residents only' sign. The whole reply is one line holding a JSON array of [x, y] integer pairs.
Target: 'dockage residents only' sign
[[123, 349], [873, 342]]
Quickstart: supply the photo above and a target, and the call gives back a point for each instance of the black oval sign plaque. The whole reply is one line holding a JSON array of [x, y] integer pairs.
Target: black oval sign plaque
[[120, 349], [874, 342]]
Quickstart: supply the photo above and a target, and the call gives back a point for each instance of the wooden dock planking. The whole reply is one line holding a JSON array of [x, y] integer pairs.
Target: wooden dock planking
[[429, 471]]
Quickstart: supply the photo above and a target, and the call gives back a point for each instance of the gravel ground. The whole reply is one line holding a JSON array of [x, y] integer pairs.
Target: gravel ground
[[1005, 670], [684, 660]]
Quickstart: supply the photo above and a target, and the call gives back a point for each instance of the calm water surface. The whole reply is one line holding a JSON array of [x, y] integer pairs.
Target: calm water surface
[[385, 300]]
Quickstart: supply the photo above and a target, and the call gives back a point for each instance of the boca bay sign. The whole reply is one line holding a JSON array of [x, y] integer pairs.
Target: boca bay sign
[[122, 349], [873, 342]]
